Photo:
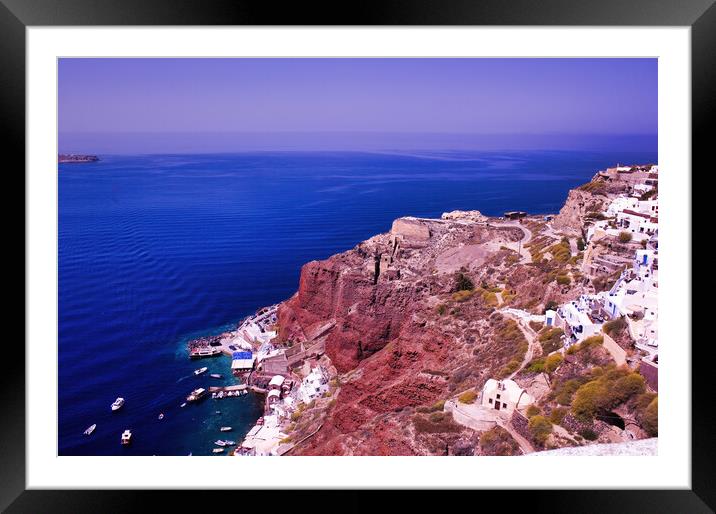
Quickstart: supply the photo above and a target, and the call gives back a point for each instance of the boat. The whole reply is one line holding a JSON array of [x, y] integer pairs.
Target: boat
[[126, 437], [161, 415], [220, 443], [118, 404], [218, 450], [183, 405], [198, 353], [199, 371], [196, 395], [227, 442], [90, 429], [216, 375], [218, 412], [225, 429]]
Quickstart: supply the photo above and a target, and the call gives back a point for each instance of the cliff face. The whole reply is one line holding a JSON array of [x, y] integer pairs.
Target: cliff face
[[399, 338], [341, 290], [578, 204]]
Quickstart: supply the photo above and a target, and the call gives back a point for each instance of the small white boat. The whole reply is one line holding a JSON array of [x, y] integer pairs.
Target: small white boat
[[200, 370], [183, 404], [216, 375], [196, 395], [229, 443], [118, 404], [225, 429], [161, 415], [220, 443], [218, 450], [126, 437], [90, 429]]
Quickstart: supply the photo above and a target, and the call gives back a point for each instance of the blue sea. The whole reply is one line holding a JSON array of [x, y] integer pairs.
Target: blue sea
[[157, 249]]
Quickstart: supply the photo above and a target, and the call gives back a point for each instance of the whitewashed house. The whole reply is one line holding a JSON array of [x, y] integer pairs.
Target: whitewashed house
[[504, 395], [576, 316], [313, 386]]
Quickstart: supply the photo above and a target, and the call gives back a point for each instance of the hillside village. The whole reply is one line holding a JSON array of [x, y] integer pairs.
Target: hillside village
[[469, 335]]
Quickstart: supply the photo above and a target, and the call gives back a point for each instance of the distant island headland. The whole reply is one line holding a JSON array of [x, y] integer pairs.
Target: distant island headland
[[67, 158]]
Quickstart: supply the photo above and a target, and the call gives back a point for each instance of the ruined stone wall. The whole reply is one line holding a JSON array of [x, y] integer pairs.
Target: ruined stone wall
[[410, 229]]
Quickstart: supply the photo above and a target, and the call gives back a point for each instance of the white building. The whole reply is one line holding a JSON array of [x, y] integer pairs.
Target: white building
[[576, 315], [550, 318], [313, 386], [276, 382], [504, 395], [620, 203], [637, 222]]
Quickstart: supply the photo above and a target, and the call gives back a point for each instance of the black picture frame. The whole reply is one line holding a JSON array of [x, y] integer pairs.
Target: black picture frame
[[700, 15]]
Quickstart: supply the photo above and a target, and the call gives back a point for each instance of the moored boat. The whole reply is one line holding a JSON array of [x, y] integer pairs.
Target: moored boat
[[161, 415], [218, 450], [196, 395], [118, 404], [225, 429], [200, 352], [216, 375], [90, 429], [126, 437], [199, 371]]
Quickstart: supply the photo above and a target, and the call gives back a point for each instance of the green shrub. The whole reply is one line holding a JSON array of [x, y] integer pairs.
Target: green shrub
[[557, 415], [615, 326], [540, 429], [468, 397], [536, 365], [463, 283], [564, 392], [441, 309], [509, 368], [551, 339], [552, 362], [624, 237], [532, 410], [588, 434], [561, 252], [489, 298], [550, 306], [443, 423], [586, 344], [649, 419], [563, 280], [580, 244], [588, 399], [464, 295], [608, 388], [595, 187], [438, 417], [626, 387], [498, 441]]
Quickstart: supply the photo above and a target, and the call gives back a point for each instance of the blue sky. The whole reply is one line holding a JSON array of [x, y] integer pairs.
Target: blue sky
[[174, 105]]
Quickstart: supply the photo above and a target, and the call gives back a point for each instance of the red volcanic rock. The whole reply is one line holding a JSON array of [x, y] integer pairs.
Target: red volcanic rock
[[341, 289]]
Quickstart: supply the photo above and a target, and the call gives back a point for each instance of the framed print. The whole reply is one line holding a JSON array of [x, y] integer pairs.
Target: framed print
[[414, 248]]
